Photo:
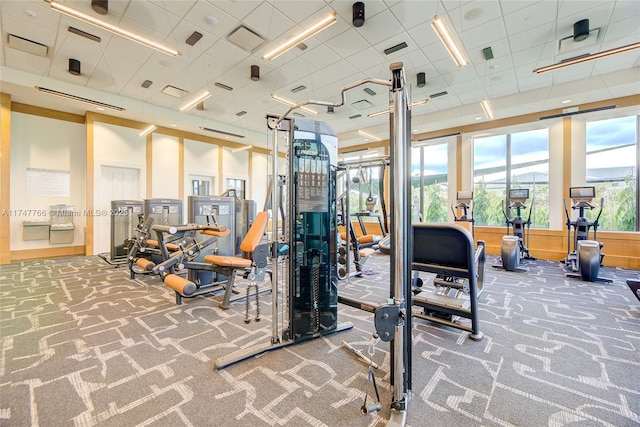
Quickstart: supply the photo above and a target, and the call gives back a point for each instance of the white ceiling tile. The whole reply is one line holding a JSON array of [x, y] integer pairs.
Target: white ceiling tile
[[530, 17], [347, 43], [178, 8], [44, 16], [624, 29], [624, 9], [473, 14], [237, 9], [414, 13], [575, 72], [25, 61], [483, 35], [509, 6], [380, 27], [296, 68], [534, 37], [298, 11], [270, 23], [371, 9], [394, 41], [144, 15], [423, 34], [320, 56], [202, 12], [340, 69], [366, 58], [227, 52], [29, 30], [571, 8]]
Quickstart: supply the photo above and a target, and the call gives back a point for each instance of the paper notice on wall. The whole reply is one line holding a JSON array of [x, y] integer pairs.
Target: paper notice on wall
[[48, 183]]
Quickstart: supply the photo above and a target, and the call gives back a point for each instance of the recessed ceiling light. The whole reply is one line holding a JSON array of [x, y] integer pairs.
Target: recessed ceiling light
[[31, 13], [174, 125], [478, 118], [211, 20], [99, 108], [566, 101]]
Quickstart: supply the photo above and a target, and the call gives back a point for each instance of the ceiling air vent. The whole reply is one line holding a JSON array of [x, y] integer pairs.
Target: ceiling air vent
[[174, 91], [26, 45], [84, 34], [395, 48], [245, 38], [363, 104], [436, 95]]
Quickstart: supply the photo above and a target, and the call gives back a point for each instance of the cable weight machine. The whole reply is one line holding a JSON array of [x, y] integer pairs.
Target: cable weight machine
[[309, 231]]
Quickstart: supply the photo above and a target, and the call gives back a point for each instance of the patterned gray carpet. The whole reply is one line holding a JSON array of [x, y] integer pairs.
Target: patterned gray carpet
[[83, 345]]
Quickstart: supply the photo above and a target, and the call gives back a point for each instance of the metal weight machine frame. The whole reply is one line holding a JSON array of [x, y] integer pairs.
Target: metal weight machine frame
[[393, 319]]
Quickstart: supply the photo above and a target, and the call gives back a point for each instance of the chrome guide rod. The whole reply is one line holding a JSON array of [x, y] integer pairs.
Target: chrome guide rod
[[275, 194], [400, 243]]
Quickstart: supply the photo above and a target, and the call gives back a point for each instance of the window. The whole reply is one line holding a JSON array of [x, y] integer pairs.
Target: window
[[503, 162], [238, 185], [429, 185], [612, 167]]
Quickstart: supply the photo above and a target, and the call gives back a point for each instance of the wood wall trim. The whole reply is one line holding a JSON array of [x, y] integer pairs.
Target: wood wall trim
[[459, 162], [149, 166], [47, 112], [566, 157], [90, 190], [249, 190], [5, 177], [47, 253], [181, 168], [220, 171]]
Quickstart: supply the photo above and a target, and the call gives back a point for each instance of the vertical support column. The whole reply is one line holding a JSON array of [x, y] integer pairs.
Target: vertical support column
[[566, 158], [275, 197], [149, 165], [401, 244], [181, 168], [90, 180], [5, 178]]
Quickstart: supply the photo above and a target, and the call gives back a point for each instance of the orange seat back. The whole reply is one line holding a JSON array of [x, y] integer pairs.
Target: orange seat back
[[255, 233]]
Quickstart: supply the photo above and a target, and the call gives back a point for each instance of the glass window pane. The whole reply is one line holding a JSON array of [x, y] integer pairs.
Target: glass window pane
[[530, 169], [435, 191], [611, 167], [489, 177]]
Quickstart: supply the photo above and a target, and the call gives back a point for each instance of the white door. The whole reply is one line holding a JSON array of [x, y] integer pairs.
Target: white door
[[116, 183]]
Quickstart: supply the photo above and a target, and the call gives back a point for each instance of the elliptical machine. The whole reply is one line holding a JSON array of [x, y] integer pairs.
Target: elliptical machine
[[513, 248], [586, 258], [463, 210]]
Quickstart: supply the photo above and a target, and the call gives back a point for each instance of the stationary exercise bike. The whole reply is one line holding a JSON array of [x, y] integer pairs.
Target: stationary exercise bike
[[513, 248], [586, 258]]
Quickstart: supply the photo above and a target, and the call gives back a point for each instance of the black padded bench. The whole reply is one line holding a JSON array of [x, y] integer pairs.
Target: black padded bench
[[447, 250]]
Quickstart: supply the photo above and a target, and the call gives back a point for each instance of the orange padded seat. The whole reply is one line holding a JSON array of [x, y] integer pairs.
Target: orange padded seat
[[222, 233], [249, 243], [170, 246]]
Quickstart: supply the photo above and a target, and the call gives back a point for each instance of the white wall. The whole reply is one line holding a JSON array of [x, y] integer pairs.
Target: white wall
[[260, 168], [39, 142], [114, 146], [164, 173], [200, 158], [234, 165]]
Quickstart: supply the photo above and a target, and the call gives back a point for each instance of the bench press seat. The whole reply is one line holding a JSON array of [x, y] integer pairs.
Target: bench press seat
[[170, 246]]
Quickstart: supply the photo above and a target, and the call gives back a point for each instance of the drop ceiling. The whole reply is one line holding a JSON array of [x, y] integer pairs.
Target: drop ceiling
[[522, 34]]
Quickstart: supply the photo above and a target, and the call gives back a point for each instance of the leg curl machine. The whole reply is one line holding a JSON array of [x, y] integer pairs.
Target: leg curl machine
[[190, 250]]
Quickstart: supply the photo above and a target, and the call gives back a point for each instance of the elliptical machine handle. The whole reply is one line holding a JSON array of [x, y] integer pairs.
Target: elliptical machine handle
[[566, 212], [596, 221]]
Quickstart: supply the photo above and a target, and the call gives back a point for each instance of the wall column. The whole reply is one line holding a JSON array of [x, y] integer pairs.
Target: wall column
[[5, 174]]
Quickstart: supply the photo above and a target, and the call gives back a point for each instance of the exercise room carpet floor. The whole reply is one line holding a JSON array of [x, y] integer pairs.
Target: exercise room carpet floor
[[84, 345]]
